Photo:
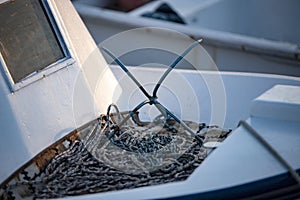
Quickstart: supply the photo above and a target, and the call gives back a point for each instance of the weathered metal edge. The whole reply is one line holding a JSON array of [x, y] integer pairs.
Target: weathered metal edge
[[44, 151]]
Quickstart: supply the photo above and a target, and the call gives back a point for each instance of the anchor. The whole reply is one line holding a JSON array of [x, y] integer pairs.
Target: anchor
[[151, 99]]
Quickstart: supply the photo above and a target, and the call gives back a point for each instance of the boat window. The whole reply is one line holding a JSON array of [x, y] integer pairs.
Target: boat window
[[29, 39]]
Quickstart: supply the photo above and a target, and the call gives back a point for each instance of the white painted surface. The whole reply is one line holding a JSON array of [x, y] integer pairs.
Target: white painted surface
[[280, 102], [35, 116], [252, 18], [231, 50], [239, 91]]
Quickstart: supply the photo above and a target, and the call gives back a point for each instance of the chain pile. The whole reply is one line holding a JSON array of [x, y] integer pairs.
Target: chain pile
[[72, 174], [138, 156]]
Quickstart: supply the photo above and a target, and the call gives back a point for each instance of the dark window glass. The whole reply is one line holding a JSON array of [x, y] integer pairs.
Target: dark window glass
[[27, 40]]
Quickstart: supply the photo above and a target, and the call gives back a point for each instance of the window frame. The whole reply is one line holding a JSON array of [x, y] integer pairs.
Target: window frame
[[66, 61]]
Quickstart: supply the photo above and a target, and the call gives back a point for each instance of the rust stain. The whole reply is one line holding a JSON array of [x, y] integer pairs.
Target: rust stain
[[45, 157]]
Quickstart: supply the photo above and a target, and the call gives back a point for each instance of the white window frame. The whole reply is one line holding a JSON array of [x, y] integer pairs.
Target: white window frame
[[59, 64]]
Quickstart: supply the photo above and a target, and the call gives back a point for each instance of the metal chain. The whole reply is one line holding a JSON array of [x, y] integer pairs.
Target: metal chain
[[77, 170]]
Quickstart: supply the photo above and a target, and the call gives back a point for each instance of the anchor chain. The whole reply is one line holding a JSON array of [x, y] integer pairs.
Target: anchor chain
[[76, 171]]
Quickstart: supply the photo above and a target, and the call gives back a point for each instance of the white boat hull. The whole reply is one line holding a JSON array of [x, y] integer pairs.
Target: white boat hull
[[231, 47]]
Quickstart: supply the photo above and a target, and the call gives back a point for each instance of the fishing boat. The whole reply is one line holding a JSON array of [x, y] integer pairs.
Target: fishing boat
[[239, 36], [67, 106]]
